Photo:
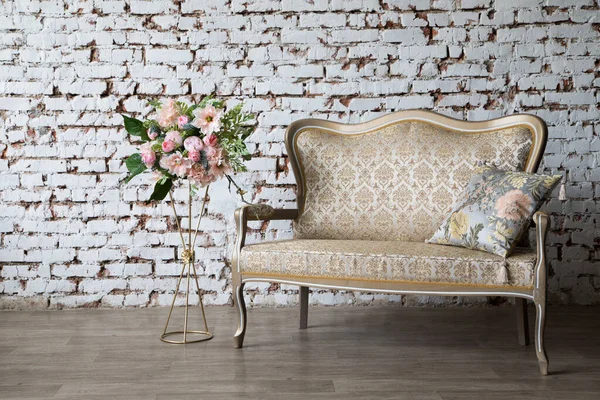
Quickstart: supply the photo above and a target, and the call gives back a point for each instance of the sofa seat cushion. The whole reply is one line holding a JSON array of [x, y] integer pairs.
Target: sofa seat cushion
[[391, 261]]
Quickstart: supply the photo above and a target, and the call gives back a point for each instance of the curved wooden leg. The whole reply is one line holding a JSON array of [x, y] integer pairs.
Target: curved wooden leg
[[238, 338], [540, 324], [303, 307], [542, 222], [522, 321]]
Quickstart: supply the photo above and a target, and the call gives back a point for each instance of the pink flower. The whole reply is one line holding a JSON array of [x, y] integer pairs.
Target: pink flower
[[513, 205], [152, 135], [198, 175], [210, 151], [182, 121], [167, 115], [193, 143], [176, 164], [207, 119], [148, 156], [156, 176], [194, 155], [168, 146], [211, 140], [219, 168], [174, 136], [217, 162]]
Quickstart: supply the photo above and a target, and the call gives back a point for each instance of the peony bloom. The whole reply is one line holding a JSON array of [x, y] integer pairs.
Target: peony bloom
[[148, 156], [211, 140], [514, 205], [168, 146], [193, 143], [194, 155], [207, 119], [168, 115], [174, 136], [176, 164], [182, 121]]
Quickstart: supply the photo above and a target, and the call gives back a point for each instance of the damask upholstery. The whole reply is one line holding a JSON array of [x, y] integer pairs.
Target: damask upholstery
[[398, 183], [391, 261]]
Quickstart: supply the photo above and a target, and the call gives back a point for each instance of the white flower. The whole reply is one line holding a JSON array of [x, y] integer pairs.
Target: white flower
[[207, 119]]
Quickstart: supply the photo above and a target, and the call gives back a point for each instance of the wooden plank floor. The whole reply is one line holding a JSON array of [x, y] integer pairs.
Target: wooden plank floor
[[347, 353]]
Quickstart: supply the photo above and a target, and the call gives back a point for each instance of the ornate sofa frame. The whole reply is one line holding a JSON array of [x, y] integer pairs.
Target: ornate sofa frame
[[542, 222]]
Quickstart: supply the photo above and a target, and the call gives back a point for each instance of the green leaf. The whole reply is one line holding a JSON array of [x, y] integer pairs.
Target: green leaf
[[157, 146], [236, 123], [212, 101], [152, 125], [161, 189], [155, 103], [182, 108], [190, 130], [135, 166], [191, 111], [135, 127], [246, 131]]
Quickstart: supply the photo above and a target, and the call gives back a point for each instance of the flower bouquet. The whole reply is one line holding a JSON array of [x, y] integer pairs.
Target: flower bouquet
[[200, 143]]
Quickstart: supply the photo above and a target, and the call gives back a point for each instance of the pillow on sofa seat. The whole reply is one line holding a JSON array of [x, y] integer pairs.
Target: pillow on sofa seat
[[495, 210], [392, 261]]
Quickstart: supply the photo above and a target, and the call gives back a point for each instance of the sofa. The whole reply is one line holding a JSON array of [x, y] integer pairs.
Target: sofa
[[370, 194]]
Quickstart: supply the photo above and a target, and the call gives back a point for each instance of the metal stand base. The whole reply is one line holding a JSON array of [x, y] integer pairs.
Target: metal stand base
[[188, 257], [207, 336], [191, 268]]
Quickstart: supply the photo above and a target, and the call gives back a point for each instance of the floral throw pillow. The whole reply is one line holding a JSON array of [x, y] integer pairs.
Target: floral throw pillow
[[495, 210]]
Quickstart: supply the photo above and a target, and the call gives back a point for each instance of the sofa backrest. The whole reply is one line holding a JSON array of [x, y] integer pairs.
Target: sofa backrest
[[396, 177]]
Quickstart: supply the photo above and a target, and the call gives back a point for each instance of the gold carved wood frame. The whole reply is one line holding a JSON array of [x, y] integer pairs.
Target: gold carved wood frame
[[537, 294]]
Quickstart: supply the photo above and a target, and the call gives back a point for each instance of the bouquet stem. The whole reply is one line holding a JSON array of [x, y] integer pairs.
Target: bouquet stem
[[188, 257]]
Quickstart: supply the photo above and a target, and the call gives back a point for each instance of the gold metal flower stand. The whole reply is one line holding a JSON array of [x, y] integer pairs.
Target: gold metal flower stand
[[188, 257]]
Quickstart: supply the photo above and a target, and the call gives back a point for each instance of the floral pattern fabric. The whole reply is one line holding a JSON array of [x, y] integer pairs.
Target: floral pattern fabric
[[391, 261], [495, 210], [396, 183]]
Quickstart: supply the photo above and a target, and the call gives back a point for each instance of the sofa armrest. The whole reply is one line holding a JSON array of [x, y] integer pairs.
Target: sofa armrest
[[253, 212], [263, 212], [542, 225]]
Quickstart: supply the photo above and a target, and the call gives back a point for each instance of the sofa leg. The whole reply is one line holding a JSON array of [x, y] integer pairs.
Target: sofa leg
[[522, 321], [303, 307], [238, 338], [540, 324]]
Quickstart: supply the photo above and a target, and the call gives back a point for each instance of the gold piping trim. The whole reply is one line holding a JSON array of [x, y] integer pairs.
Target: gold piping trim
[[450, 128], [395, 256], [276, 275]]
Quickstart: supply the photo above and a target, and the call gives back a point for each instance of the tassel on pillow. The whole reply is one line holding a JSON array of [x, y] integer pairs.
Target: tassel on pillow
[[562, 194]]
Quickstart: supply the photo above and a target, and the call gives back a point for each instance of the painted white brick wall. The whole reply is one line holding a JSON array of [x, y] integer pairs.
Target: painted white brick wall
[[72, 236]]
